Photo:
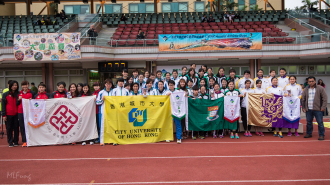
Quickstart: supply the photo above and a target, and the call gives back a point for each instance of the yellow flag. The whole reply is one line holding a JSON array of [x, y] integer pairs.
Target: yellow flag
[[135, 119]]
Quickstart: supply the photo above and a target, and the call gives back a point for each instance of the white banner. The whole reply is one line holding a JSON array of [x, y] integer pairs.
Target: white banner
[[178, 105], [231, 108], [65, 120], [291, 109]]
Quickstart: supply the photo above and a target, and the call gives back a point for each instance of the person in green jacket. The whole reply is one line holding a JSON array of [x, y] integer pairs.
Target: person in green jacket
[[34, 88]]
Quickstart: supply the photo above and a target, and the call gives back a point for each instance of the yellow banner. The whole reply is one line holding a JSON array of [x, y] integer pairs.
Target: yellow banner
[[135, 119]]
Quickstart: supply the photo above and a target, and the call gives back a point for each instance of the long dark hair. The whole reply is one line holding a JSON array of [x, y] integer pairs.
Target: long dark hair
[[184, 88], [218, 74], [318, 82], [15, 93], [76, 91], [80, 84], [89, 90], [194, 75]]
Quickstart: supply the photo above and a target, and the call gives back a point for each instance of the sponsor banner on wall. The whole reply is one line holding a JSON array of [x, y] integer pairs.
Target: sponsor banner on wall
[[210, 41], [47, 46]]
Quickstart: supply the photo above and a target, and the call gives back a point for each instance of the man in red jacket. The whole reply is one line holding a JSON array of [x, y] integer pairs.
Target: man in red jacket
[[25, 93], [42, 92]]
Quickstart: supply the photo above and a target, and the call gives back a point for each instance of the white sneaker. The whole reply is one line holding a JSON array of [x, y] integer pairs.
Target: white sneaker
[[83, 143], [91, 143], [167, 141], [178, 141]]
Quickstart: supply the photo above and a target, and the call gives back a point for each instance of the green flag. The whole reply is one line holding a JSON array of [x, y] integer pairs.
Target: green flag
[[205, 115]]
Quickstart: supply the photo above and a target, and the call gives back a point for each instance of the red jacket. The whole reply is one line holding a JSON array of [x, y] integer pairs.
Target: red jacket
[[8, 104], [29, 94], [41, 96], [97, 107], [57, 94]]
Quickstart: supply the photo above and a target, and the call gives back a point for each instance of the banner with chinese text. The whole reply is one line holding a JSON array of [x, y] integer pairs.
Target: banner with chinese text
[[47, 46], [210, 41], [59, 121], [136, 119]]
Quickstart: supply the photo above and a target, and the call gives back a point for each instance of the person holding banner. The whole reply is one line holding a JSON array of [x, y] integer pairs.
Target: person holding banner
[[136, 91], [42, 95], [314, 101], [244, 92], [141, 82], [120, 89], [157, 79], [25, 93], [275, 89], [228, 125], [192, 76], [127, 86], [265, 82], [86, 92], [107, 91], [96, 86], [183, 88], [292, 90], [240, 84], [167, 78], [9, 113], [60, 93], [73, 91], [259, 90], [194, 96], [216, 94], [161, 90]]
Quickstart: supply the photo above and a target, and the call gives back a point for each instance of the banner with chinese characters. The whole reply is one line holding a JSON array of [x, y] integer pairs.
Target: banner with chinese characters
[[47, 46], [59, 121], [136, 119], [210, 41], [264, 110]]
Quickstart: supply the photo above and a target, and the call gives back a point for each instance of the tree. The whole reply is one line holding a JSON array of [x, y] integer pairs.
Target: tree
[[309, 4], [225, 5], [255, 8]]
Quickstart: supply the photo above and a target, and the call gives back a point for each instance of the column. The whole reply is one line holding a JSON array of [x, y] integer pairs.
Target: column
[[92, 7], [50, 84], [252, 68], [155, 6]]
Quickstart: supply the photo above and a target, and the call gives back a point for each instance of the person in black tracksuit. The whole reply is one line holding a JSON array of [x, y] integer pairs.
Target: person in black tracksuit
[[9, 113]]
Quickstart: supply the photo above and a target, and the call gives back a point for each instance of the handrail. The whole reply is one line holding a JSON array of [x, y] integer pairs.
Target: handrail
[[301, 21], [94, 21], [67, 25], [324, 19]]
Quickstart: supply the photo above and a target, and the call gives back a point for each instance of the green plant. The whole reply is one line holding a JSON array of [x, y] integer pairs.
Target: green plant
[[255, 8], [225, 5], [309, 4]]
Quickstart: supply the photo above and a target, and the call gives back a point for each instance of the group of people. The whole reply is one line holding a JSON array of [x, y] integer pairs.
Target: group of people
[[203, 84], [48, 21], [227, 17]]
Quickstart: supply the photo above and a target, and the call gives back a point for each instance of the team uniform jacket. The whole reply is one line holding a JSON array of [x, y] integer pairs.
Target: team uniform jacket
[[245, 91], [264, 82], [234, 92], [41, 96], [295, 89], [217, 95], [220, 78], [166, 84], [158, 92], [199, 80], [120, 91], [136, 79], [149, 91], [57, 94], [29, 94], [142, 85], [184, 77], [189, 91], [204, 96], [8, 104], [195, 80], [155, 85], [275, 90], [236, 78], [176, 81], [100, 103], [283, 81], [270, 80], [96, 93], [259, 90], [240, 84], [208, 79], [145, 79]]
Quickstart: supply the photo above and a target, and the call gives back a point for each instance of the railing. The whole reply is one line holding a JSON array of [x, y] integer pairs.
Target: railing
[[324, 20], [94, 21], [2, 40], [67, 26]]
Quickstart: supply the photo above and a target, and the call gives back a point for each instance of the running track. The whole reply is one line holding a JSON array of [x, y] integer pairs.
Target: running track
[[262, 160]]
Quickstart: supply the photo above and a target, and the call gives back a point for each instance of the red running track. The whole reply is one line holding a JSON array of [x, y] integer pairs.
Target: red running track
[[262, 160]]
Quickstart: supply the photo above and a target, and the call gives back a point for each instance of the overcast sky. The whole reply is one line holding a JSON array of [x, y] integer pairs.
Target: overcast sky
[[291, 4]]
